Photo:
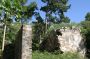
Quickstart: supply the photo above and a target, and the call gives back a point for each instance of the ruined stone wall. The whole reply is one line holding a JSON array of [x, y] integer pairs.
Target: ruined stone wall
[[71, 40], [66, 39], [23, 43]]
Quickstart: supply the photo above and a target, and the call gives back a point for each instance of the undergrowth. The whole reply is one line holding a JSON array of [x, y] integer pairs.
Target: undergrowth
[[47, 55]]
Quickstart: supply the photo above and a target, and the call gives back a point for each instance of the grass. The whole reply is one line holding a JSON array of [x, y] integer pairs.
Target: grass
[[46, 55]]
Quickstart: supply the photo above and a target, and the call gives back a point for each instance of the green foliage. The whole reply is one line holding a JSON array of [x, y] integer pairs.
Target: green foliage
[[57, 7], [46, 55], [87, 17], [12, 30], [59, 26], [86, 32], [18, 9], [51, 18], [65, 19], [38, 31], [86, 26]]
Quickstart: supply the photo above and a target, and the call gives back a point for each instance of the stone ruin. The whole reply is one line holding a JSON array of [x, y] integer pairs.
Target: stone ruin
[[22, 47], [71, 40], [65, 40], [23, 44]]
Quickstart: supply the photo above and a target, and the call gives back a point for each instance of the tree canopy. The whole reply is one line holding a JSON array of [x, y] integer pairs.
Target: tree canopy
[[17, 9], [58, 7], [87, 17]]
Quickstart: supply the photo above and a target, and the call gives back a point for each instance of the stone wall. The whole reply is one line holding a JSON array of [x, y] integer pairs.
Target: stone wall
[[23, 43], [65, 39], [71, 40]]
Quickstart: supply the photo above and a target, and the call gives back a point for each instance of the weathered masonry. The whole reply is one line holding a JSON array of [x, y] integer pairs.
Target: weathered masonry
[[23, 43], [65, 40]]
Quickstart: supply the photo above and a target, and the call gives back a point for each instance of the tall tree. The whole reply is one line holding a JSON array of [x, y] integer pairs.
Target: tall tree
[[57, 7], [86, 32], [17, 9], [38, 31], [87, 17]]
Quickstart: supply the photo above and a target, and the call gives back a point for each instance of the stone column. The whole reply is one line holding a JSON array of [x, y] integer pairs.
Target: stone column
[[26, 42], [23, 43]]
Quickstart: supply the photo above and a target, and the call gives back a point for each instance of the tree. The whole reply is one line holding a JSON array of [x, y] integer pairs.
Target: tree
[[86, 32], [87, 17], [57, 7], [6, 7], [86, 23], [17, 9], [38, 31], [64, 19]]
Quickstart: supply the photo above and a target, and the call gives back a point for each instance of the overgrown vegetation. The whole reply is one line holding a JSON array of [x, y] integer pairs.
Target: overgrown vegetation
[[62, 25], [86, 34], [13, 15], [46, 55]]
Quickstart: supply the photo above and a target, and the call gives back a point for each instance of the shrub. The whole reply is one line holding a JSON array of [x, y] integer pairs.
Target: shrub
[[59, 26]]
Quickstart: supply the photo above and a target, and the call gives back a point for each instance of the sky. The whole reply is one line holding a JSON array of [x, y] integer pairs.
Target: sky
[[76, 13]]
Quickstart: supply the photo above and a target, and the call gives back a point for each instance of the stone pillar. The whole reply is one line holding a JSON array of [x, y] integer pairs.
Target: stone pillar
[[23, 43], [27, 42]]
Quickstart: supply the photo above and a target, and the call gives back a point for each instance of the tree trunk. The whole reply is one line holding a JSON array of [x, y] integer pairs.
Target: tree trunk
[[46, 24], [4, 38]]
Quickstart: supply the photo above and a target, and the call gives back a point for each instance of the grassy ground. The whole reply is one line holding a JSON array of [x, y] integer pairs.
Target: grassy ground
[[46, 55]]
